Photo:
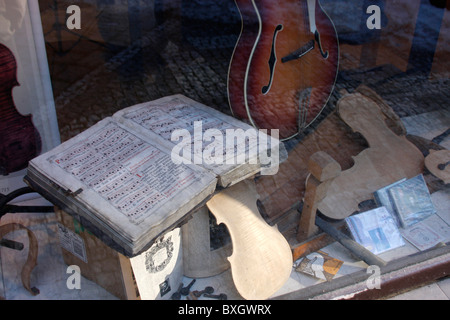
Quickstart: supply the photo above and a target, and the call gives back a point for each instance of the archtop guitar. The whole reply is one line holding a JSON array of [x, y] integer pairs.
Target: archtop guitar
[[284, 65]]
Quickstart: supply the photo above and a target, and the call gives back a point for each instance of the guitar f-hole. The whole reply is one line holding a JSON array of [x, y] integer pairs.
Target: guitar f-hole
[[319, 42], [272, 59]]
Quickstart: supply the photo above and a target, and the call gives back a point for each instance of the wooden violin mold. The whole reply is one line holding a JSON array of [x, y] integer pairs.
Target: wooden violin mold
[[437, 162], [389, 158]]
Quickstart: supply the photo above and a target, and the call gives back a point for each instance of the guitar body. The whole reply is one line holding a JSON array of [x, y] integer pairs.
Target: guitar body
[[20, 141], [284, 66]]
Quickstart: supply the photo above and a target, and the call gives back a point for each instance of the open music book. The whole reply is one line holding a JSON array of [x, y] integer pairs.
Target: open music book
[[137, 174]]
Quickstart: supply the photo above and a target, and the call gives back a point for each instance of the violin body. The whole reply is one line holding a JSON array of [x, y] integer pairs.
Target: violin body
[[261, 261], [284, 65], [20, 141]]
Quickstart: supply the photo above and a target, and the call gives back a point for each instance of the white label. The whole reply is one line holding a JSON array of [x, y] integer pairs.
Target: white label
[[72, 242]]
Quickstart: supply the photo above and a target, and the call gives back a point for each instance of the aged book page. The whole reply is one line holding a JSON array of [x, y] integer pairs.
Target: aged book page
[[206, 132], [125, 182], [159, 270]]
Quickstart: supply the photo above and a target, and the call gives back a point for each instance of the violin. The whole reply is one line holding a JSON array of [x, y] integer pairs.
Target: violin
[[20, 141], [261, 261], [284, 65]]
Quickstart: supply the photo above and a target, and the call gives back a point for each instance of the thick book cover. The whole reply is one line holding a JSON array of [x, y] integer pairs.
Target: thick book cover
[[375, 230], [411, 201], [120, 177]]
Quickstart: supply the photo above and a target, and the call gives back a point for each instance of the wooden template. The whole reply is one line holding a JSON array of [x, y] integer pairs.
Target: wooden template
[[389, 158], [438, 164]]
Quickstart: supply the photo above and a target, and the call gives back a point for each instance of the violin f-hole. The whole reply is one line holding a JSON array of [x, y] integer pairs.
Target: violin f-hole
[[272, 59]]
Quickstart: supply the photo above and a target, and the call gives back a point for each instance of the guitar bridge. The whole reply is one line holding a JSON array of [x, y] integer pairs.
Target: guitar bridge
[[297, 54]]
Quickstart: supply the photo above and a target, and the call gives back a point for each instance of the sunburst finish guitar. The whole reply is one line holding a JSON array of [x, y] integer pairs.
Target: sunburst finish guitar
[[284, 65]]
